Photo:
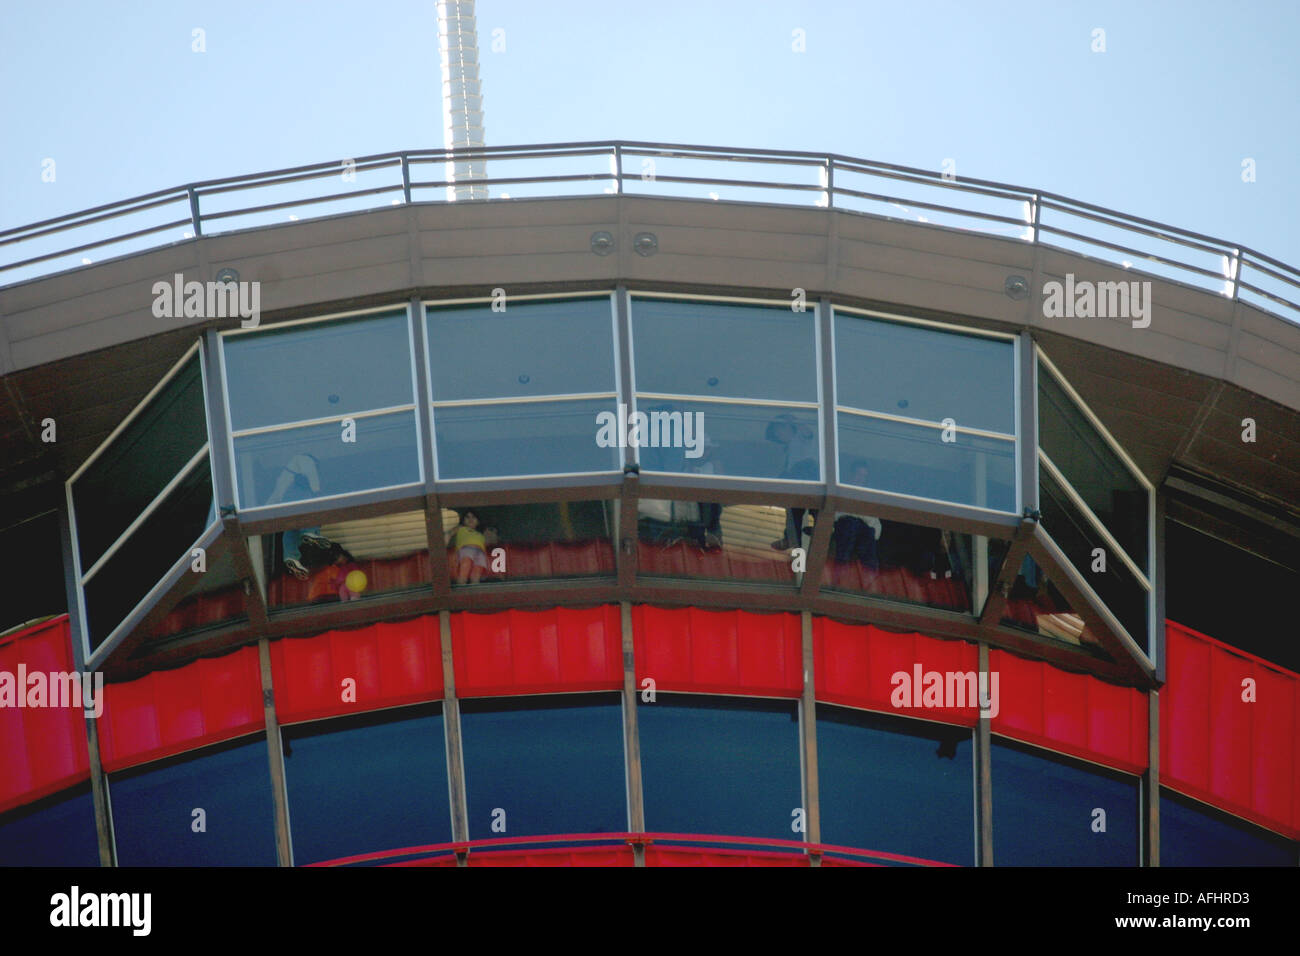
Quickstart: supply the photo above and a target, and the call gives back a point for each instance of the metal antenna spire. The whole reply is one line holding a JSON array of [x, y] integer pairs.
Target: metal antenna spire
[[462, 96]]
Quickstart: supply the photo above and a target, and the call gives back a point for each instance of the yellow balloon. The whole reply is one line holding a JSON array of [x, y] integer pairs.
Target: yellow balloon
[[356, 581]]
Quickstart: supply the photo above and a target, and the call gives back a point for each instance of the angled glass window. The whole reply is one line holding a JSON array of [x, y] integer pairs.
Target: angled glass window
[[1048, 811], [564, 539], [319, 409], [926, 412], [369, 783], [519, 391], [1194, 834], [156, 809], [1035, 604], [213, 597], [708, 540], [904, 787], [56, 831], [544, 765], [725, 389], [716, 765]]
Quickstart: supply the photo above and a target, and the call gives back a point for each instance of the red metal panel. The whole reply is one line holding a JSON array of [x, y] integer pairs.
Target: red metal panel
[[169, 712], [42, 749], [390, 665], [718, 652], [857, 666], [690, 856], [537, 652], [1075, 714], [580, 856]]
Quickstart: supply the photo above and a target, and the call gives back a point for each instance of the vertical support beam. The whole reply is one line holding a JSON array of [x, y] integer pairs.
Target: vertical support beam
[[626, 554], [275, 753], [1151, 783], [196, 219], [455, 755], [439, 574], [808, 726], [406, 179], [1158, 585], [819, 546], [632, 737], [99, 797], [984, 775], [1027, 376]]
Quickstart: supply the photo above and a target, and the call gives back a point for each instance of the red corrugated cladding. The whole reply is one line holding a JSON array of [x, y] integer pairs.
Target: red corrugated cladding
[[1236, 754], [537, 652], [718, 652], [42, 749], [392, 664]]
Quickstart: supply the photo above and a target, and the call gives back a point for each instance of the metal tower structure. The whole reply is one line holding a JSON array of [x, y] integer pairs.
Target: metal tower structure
[[462, 96]]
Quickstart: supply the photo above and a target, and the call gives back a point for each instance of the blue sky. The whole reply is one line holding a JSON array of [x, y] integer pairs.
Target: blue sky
[[1158, 125]]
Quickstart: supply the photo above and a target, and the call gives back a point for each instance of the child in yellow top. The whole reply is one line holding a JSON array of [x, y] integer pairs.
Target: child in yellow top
[[470, 557]]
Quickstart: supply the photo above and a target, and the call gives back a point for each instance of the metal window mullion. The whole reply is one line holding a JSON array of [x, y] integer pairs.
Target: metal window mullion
[[526, 400], [720, 400], [922, 423], [313, 422]]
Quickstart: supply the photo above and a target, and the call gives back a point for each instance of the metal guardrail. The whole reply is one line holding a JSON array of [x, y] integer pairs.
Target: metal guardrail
[[825, 180]]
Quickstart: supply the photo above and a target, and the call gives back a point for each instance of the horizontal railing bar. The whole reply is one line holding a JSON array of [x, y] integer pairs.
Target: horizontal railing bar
[[290, 203], [510, 181], [1251, 255], [138, 202], [180, 197], [958, 184], [1288, 279], [1128, 227], [1136, 253], [1268, 295], [881, 197], [95, 245], [329, 173], [461, 156], [754, 183]]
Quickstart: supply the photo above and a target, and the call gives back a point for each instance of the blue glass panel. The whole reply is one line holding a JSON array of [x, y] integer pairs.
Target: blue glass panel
[[754, 441], [318, 370], [552, 764], [57, 831], [359, 785], [903, 787], [559, 347], [915, 460], [718, 766], [1192, 834], [711, 349], [384, 454], [537, 438], [1044, 812], [925, 373], [153, 810]]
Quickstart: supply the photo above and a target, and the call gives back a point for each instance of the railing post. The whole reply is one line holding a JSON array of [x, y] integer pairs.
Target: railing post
[[406, 179], [618, 169], [195, 219], [1236, 274], [1037, 216], [830, 182]]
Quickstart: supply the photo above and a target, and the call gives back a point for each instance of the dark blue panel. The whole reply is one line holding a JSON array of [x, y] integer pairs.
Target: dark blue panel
[[553, 764], [1043, 812], [57, 831], [1192, 834], [899, 786], [358, 785], [717, 766], [153, 810]]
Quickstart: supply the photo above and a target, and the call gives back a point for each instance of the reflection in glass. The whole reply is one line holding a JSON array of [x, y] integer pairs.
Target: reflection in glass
[[754, 441], [1193, 834], [702, 539], [216, 597], [522, 542], [533, 438], [56, 831], [1035, 604]]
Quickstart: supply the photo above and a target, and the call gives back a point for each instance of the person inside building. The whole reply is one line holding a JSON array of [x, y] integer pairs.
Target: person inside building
[[856, 536], [801, 453], [469, 549], [299, 480]]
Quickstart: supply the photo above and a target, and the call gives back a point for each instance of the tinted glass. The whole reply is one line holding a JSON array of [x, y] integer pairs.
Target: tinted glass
[[321, 370], [212, 597], [1092, 468], [58, 831], [544, 765], [536, 438], [1118, 589], [153, 810], [563, 347], [1193, 834], [148, 554], [729, 351], [131, 472], [924, 373], [1036, 604], [360, 785], [1044, 812], [902, 561], [385, 453], [754, 441], [717, 766], [915, 460], [525, 542], [900, 787], [704, 539]]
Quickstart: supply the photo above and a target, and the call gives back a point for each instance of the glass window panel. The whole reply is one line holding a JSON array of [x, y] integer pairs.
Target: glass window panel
[[319, 370], [559, 347], [33, 587], [215, 596], [149, 553], [552, 764], [525, 542], [753, 441], [1118, 589], [708, 540], [925, 373], [535, 438], [712, 765], [390, 552], [903, 787], [1035, 604], [131, 472], [1193, 834], [726, 350], [1092, 468], [56, 831], [915, 460], [153, 809], [905, 562], [276, 467], [1044, 812], [364, 784]]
